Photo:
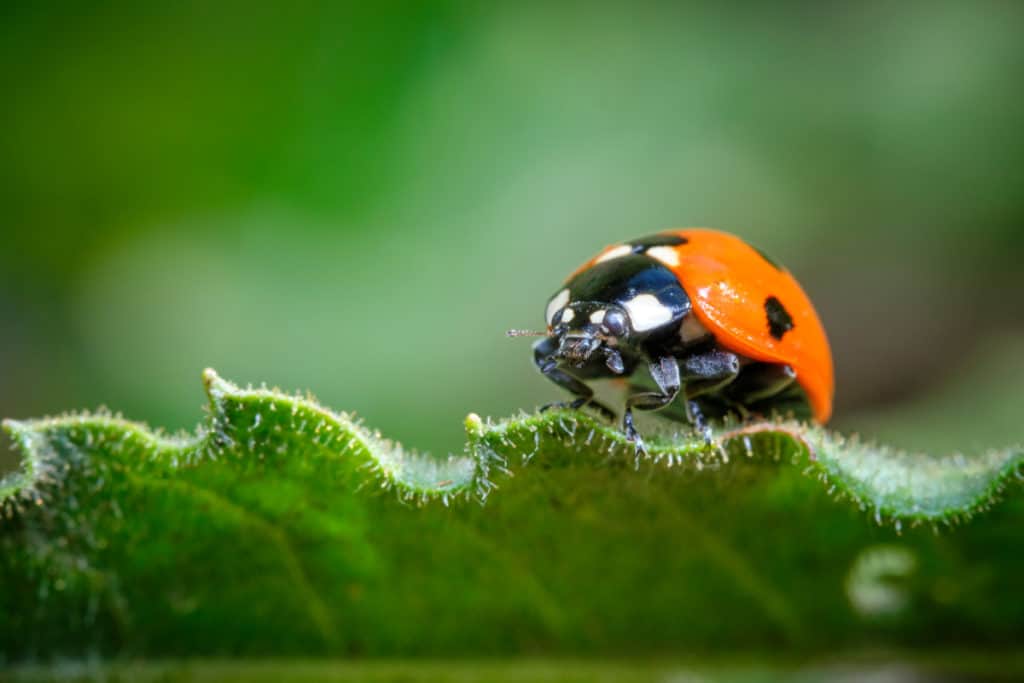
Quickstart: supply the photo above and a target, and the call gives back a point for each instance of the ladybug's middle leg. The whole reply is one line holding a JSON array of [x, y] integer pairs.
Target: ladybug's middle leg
[[705, 373], [665, 372]]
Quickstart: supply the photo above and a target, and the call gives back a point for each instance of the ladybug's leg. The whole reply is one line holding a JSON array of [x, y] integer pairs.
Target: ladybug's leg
[[767, 388], [706, 373], [696, 418], [760, 381], [543, 357], [665, 372]]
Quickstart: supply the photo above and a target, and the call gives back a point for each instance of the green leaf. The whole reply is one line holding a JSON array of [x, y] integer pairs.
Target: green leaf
[[953, 666], [281, 527]]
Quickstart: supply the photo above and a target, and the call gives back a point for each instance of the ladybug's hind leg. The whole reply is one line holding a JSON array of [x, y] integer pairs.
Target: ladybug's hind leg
[[759, 383]]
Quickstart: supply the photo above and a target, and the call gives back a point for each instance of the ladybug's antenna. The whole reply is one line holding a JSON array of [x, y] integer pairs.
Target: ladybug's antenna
[[525, 333]]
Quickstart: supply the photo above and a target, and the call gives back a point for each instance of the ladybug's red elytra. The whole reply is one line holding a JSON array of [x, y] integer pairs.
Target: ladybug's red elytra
[[712, 319]]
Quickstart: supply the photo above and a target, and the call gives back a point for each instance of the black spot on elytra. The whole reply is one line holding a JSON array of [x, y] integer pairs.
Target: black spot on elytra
[[768, 259], [779, 320], [663, 239]]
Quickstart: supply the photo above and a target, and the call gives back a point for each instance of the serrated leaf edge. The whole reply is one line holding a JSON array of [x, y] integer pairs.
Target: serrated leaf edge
[[490, 448]]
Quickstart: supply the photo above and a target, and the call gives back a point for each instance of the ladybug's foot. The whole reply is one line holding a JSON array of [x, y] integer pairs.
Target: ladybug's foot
[[700, 425], [633, 436]]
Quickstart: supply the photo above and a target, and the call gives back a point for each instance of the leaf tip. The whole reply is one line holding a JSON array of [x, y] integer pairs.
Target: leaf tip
[[210, 377], [13, 427], [214, 384], [474, 427]]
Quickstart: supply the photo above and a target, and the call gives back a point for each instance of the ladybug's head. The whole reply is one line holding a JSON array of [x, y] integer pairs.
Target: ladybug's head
[[585, 327], [614, 307], [582, 330]]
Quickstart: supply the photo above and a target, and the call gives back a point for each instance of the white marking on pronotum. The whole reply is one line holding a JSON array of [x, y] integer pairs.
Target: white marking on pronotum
[[556, 304], [646, 312], [667, 255], [597, 317], [614, 252], [692, 329], [567, 315]]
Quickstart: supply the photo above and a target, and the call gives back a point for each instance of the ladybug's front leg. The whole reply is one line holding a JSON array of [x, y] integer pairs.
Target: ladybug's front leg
[[665, 372], [545, 360]]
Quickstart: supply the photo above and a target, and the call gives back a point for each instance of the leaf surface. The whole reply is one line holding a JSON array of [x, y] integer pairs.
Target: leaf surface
[[280, 527]]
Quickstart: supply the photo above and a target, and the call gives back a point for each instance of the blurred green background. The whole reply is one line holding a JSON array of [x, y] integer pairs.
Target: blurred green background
[[360, 199]]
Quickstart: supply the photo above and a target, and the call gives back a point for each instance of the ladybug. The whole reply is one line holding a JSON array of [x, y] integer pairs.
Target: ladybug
[[716, 323]]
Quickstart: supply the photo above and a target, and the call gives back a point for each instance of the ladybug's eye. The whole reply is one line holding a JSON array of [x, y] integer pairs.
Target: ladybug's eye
[[615, 323]]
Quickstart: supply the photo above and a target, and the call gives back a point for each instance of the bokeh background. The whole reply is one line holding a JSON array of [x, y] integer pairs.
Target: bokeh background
[[358, 199]]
